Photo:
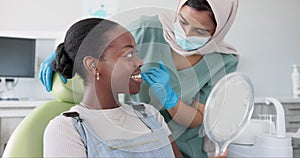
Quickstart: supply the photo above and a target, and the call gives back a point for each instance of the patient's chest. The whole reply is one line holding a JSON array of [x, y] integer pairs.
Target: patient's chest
[[119, 123]]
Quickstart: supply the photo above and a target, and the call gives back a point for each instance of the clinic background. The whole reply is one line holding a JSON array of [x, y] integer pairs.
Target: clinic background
[[266, 34]]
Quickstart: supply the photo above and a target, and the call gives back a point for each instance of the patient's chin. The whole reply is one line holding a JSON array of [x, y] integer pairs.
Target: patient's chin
[[134, 90]]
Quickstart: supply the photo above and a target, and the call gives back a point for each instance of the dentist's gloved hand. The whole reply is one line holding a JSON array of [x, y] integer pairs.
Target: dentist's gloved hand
[[46, 72], [160, 82]]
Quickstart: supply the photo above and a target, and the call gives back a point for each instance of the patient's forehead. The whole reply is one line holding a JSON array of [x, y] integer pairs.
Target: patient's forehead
[[123, 40], [115, 33], [122, 43], [105, 40]]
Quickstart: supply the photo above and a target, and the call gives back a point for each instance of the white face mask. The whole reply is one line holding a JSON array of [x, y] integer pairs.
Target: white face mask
[[188, 43]]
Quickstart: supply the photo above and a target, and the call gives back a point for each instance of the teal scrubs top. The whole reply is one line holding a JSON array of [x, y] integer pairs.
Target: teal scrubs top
[[189, 84]]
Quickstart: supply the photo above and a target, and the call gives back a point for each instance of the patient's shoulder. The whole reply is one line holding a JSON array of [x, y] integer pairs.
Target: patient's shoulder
[[60, 123]]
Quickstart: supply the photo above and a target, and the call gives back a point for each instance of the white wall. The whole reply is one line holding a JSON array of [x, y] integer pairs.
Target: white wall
[[265, 33], [41, 15]]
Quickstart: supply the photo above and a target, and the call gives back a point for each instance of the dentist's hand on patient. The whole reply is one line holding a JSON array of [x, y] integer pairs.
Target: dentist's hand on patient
[[46, 72], [159, 80]]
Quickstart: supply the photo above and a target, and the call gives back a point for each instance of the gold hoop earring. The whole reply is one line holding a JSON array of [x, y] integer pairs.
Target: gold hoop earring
[[97, 76]]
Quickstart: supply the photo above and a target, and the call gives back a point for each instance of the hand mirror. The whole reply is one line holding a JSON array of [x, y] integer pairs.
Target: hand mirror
[[228, 109]]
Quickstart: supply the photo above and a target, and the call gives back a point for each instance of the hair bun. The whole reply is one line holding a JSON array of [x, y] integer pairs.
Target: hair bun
[[62, 63]]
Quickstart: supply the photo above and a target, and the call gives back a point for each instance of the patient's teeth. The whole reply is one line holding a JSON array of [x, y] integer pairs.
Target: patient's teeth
[[136, 76]]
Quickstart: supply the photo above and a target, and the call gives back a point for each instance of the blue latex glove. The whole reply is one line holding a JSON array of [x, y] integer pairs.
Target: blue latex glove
[[46, 72], [160, 82]]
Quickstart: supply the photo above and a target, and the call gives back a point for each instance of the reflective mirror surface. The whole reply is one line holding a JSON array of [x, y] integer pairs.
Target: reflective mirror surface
[[228, 109]]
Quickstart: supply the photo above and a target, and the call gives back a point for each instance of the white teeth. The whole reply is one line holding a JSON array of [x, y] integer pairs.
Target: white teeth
[[136, 76]]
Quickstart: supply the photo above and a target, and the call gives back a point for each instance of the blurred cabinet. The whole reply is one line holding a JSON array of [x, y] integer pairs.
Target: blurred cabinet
[[11, 114], [291, 108]]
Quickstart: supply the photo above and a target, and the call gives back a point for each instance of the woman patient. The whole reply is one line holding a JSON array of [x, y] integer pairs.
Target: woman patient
[[103, 54]]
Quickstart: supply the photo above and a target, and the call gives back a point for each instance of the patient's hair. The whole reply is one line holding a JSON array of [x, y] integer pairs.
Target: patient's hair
[[202, 5], [87, 37]]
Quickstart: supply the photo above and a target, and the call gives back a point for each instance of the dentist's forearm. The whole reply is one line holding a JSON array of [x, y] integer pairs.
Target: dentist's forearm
[[189, 116]]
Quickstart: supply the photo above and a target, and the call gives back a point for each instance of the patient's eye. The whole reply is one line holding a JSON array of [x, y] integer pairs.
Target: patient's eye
[[130, 54]]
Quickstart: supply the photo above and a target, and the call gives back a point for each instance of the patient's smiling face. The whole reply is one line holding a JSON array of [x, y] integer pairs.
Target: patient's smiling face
[[121, 65]]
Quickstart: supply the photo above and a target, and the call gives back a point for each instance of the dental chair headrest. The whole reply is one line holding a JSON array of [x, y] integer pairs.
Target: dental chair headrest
[[71, 92]]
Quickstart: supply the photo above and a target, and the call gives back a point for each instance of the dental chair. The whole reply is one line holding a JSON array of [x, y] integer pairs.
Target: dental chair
[[27, 138]]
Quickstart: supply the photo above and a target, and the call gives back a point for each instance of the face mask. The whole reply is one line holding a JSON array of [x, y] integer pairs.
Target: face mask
[[188, 43]]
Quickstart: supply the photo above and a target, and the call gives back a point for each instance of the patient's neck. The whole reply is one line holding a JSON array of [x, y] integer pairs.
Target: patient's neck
[[100, 100]]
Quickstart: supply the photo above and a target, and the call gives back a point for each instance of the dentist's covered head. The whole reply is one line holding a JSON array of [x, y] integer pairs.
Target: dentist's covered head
[[200, 26]]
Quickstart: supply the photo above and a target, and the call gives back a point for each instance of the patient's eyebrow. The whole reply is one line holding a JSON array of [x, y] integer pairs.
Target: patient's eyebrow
[[128, 46]]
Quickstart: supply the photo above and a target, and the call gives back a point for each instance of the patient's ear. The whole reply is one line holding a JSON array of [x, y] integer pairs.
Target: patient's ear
[[90, 64]]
